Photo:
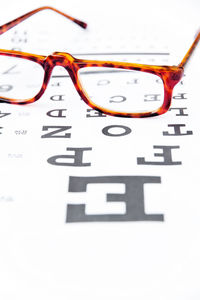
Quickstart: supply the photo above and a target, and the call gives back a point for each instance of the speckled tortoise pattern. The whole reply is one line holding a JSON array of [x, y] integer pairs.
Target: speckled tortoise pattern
[[170, 75]]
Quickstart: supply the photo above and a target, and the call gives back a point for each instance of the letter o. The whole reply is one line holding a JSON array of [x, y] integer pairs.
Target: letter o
[[125, 130]]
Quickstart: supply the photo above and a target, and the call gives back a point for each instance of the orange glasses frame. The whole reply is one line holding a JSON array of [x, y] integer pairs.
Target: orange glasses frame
[[170, 75]]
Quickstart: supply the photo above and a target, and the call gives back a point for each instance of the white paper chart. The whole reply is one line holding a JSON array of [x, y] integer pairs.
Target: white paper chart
[[94, 206]]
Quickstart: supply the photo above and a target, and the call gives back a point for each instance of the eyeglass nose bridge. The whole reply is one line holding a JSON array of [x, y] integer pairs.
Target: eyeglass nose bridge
[[64, 60], [60, 59]]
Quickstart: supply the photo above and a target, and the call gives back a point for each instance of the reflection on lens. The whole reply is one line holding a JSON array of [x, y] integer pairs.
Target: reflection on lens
[[121, 90], [20, 79]]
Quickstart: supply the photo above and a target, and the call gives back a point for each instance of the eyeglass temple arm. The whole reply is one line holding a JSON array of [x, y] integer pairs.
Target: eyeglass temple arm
[[190, 51], [13, 23]]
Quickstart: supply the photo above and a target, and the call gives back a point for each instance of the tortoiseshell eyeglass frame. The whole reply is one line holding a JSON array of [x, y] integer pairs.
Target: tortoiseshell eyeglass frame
[[170, 75]]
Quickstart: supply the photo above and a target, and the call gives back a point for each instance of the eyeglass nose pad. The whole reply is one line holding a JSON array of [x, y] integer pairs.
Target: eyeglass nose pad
[[72, 75]]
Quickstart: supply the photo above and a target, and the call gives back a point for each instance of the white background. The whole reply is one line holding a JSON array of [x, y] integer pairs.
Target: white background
[[42, 257]]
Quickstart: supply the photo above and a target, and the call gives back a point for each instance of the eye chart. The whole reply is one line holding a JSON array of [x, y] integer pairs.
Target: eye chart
[[94, 206]]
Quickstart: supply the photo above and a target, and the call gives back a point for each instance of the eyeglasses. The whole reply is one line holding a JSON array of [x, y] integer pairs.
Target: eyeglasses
[[141, 90]]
